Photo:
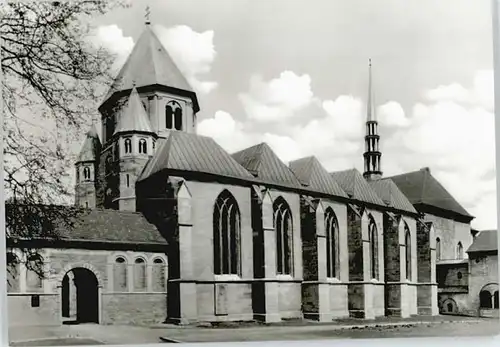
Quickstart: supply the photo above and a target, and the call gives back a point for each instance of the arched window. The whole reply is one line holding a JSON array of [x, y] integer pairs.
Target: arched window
[[438, 248], [13, 266], [226, 226], [460, 251], [283, 228], [86, 173], [158, 274], [128, 145], [120, 275], [173, 115], [485, 299], [34, 273], [143, 146], [495, 299], [140, 275], [408, 251], [373, 237], [332, 243]]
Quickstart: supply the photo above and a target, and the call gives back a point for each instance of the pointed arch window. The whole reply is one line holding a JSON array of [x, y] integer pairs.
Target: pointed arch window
[[283, 228], [120, 279], [332, 244], [86, 173], [143, 146], [128, 145], [173, 115], [438, 248], [373, 238], [460, 251], [13, 271], [226, 226], [140, 274], [408, 252]]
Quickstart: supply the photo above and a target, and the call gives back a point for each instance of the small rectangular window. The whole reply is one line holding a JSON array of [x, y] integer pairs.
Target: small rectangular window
[[128, 180], [35, 301]]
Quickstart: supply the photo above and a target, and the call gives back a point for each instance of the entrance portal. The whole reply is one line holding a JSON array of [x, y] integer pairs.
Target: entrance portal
[[80, 297]]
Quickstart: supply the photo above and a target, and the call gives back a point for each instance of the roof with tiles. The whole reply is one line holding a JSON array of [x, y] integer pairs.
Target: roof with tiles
[[149, 64], [485, 241], [91, 145], [67, 223], [389, 192], [187, 152], [133, 116], [356, 187], [266, 166], [420, 187], [314, 176]]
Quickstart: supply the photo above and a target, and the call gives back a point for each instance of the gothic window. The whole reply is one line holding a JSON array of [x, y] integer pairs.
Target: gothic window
[[460, 251], [438, 249], [143, 146], [408, 252], [128, 180], [120, 275], [34, 273], [173, 115], [128, 145], [226, 225], [140, 275], [332, 244], [158, 274], [283, 228], [86, 173], [372, 234], [13, 266]]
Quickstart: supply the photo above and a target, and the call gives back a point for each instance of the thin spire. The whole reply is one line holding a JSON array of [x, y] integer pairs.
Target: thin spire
[[370, 107], [148, 12]]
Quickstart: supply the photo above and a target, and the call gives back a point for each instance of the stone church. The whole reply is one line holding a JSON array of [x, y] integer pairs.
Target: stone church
[[172, 228]]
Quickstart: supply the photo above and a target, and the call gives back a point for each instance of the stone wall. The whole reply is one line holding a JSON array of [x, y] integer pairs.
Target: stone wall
[[450, 233]]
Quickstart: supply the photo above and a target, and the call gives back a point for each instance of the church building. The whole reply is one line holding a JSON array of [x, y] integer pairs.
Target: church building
[[169, 227]]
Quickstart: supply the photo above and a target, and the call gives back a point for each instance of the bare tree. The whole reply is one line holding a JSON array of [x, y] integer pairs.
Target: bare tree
[[54, 77]]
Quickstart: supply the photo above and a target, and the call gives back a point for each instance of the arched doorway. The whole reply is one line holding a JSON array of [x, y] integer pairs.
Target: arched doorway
[[449, 306], [80, 296]]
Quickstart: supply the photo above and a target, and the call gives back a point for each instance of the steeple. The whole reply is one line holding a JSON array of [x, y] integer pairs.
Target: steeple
[[86, 170], [133, 117], [372, 153]]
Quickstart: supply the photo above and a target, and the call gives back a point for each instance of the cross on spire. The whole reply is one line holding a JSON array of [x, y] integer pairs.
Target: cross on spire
[[148, 12]]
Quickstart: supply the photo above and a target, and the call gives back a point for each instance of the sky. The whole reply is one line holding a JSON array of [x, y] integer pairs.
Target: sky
[[294, 73]]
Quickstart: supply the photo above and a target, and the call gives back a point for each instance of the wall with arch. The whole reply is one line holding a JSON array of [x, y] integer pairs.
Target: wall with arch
[[483, 271], [148, 304]]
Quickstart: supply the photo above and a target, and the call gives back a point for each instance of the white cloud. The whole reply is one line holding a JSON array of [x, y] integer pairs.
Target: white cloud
[[392, 115], [277, 99], [111, 37], [193, 52]]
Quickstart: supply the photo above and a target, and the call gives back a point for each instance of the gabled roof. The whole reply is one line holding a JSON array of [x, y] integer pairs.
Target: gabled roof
[[67, 223], [356, 187], [389, 192], [314, 176], [133, 116], [485, 241], [187, 152], [266, 166], [150, 64], [420, 187], [91, 145]]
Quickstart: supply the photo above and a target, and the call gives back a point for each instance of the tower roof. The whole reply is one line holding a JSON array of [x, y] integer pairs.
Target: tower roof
[[150, 64], [370, 108], [421, 188], [353, 183], [266, 166], [314, 176], [133, 116], [90, 148]]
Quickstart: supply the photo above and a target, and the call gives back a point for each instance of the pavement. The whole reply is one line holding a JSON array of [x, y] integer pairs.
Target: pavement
[[92, 334]]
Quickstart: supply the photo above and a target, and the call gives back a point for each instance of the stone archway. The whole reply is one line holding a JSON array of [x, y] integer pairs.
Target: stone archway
[[488, 297], [80, 291], [449, 306]]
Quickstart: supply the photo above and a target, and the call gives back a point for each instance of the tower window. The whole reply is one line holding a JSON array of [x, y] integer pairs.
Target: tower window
[[438, 248], [143, 146], [128, 145], [128, 180], [460, 251], [173, 115], [86, 173]]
